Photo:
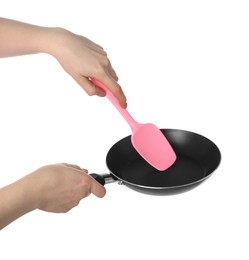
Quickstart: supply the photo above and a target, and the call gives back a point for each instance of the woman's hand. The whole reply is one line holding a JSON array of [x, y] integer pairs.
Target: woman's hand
[[62, 186], [53, 188], [84, 59]]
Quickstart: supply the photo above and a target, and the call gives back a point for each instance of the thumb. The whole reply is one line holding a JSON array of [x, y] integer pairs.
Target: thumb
[[97, 189], [89, 87]]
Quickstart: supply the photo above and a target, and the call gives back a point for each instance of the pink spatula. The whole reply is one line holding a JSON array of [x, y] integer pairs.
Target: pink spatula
[[147, 139]]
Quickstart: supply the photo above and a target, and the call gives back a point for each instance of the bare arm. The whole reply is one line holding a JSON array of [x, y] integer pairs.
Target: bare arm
[[19, 38], [53, 188], [79, 56]]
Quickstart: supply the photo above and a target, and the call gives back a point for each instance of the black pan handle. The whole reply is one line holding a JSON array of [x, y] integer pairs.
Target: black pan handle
[[98, 178], [103, 178]]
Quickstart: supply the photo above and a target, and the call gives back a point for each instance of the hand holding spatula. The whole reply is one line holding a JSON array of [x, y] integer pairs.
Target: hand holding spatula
[[147, 139]]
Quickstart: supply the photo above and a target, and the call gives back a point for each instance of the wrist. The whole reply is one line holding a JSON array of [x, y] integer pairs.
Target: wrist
[[28, 191], [53, 40], [35, 185]]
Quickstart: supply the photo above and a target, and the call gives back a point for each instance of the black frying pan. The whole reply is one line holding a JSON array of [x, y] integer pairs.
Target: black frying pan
[[197, 158]]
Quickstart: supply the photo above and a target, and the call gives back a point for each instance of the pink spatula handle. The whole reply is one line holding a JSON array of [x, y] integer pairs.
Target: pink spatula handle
[[130, 120]]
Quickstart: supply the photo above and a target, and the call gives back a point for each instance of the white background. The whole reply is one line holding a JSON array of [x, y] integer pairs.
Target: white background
[[183, 65]]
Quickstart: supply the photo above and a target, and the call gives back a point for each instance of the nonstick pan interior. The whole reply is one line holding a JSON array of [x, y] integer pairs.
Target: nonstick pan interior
[[197, 158]]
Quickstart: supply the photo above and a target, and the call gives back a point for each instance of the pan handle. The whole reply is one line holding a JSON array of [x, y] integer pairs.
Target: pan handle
[[103, 178]]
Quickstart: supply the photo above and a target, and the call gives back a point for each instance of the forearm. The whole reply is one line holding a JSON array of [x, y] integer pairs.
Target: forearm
[[16, 200], [17, 38]]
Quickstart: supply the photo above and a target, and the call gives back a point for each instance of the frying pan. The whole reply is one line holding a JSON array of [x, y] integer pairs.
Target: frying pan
[[197, 158]]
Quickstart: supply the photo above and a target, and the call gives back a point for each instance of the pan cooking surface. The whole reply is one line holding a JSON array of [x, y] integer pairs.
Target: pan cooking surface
[[184, 171], [197, 158]]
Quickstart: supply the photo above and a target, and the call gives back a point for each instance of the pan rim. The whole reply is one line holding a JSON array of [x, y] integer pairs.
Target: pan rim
[[164, 188], [209, 174]]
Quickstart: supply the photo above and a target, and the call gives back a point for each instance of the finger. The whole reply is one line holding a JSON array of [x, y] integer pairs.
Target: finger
[[111, 71], [113, 74], [115, 89], [89, 87], [97, 189]]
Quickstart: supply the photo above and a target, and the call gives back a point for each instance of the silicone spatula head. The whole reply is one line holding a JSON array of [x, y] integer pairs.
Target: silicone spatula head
[[153, 146], [147, 139]]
